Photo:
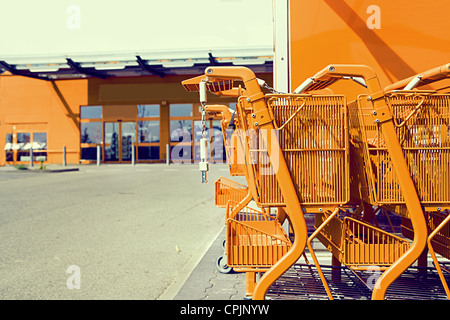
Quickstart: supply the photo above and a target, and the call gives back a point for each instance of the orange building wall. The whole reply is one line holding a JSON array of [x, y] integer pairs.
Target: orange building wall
[[30, 104], [407, 37]]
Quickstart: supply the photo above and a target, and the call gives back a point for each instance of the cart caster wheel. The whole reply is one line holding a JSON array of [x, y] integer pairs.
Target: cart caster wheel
[[221, 264], [248, 298]]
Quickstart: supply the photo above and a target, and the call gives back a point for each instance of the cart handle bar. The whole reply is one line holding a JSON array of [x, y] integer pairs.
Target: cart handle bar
[[421, 79], [361, 74]]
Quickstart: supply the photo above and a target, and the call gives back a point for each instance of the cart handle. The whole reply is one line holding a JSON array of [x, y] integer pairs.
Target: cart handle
[[220, 80], [224, 110], [222, 87], [251, 82], [360, 73], [421, 79]]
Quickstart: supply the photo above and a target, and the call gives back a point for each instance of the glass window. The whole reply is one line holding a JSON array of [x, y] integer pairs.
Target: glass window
[[181, 130], [181, 153], [148, 153], [181, 110], [23, 140], [148, 110], [23, 137], [148, 131], [89, 112], [9, 156], [8, 138], [8, 145], [89, 153], [39, 140], [91, 132]]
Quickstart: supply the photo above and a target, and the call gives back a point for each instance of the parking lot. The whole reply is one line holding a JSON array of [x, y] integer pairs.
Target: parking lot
[[104, 232]]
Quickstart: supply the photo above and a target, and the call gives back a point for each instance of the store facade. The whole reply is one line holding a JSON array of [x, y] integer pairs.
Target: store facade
[[78, 114]]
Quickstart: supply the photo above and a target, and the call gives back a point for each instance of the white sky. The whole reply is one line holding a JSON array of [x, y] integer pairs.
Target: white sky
[[49, 27]]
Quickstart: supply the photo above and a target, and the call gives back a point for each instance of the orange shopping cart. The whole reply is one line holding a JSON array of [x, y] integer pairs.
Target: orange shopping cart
[[296, 156], [400, 152], [226, 189]]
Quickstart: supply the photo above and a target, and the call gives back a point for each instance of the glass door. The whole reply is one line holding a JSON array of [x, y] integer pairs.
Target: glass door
[[112, 135], [120, 138], [128, 137]]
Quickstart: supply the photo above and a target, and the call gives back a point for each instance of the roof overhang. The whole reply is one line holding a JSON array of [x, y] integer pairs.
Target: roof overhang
[[158, 64]]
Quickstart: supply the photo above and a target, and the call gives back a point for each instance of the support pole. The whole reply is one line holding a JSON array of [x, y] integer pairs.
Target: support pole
[[167, 154], [64, 156], [98, 155]]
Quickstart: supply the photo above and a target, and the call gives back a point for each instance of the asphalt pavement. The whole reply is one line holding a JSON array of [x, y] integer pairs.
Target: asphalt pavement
[[104, 232]]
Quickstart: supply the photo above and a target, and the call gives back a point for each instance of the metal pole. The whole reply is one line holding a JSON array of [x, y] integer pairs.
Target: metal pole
[[31, 156], [133, 156], [64, 156], [167, 154], [98, 155]]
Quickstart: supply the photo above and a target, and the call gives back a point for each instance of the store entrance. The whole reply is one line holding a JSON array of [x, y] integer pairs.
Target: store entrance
[[120, 138]]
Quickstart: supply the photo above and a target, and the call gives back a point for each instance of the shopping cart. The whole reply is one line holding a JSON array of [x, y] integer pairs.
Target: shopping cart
[[400, 137], [296, 155], [235, 196], [229, 126], [226, 189]]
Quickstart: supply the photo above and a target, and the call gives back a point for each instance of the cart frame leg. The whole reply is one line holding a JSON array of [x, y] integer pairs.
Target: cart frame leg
[[313, 255], [433, 255], [410, 196]]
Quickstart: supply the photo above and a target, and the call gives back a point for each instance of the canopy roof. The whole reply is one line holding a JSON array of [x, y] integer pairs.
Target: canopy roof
[[160, 64]]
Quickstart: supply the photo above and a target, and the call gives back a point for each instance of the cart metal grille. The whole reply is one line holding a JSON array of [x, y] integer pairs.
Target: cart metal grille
[[312, 134], [423, 128], [302, 282]]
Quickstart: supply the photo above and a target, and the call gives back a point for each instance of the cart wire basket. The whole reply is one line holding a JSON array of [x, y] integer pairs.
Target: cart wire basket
[[226, 190], [255, 239]]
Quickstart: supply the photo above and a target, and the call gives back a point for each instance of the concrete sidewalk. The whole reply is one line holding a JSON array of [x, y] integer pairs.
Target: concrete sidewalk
[[207, 283], [36, 168]]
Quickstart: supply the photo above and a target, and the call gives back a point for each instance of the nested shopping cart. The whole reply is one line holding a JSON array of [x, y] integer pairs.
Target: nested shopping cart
[[240, 219], [296, 154], [401, 155], [228, 126], [226, 189]]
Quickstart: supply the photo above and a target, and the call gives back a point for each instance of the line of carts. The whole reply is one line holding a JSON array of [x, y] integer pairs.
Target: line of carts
[[346, 163]]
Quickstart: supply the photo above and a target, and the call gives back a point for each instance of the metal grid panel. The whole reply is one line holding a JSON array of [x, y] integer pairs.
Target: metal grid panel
[[226, 190], [254, 239], [423, 128], [366, 245], [302, 282], [312, 133]]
